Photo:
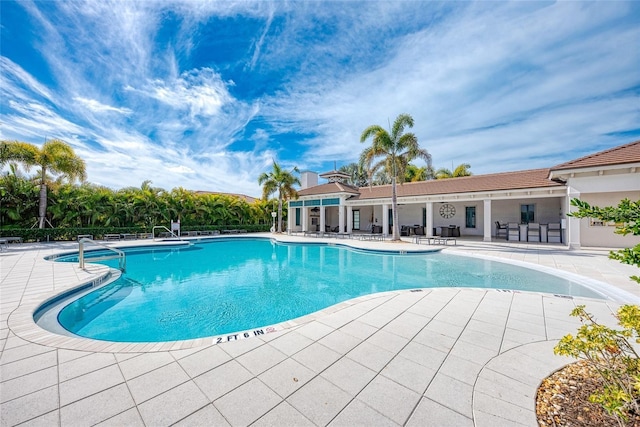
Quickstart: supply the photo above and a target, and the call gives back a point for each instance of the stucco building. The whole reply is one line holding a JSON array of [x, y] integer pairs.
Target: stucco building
[[477, 205]]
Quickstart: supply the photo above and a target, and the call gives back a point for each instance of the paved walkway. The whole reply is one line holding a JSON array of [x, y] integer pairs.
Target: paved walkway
[[431, 357]]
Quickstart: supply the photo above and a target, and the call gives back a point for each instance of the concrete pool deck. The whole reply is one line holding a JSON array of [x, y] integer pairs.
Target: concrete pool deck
[[440, 357]]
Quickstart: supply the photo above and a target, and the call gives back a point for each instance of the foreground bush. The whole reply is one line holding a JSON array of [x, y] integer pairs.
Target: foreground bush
[[612, 355]]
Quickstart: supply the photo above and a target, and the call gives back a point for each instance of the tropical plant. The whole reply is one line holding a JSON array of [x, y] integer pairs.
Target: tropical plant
[[612, 355], [392, 152], [415, 174], [18, 199], [626, 216], [357, 176], [444, 173], [382, 177], [461, 170], [54, 158], [91, 209], [610, 351], [282, 182]]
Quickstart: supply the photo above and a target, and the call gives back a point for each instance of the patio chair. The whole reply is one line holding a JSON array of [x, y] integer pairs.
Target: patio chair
[[501, 229], [533, 230], [404, 230], [513, 231], [554, 232]]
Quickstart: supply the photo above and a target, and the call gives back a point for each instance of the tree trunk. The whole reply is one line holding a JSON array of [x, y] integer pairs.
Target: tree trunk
[[279, 213], [394, 209], [42, 209]]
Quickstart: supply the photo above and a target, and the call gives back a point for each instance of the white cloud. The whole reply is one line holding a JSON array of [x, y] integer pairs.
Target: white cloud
[[526, 74], [98, 107], [501, 86], [200, 92], [181, 169], [38, 119], [15, 82]]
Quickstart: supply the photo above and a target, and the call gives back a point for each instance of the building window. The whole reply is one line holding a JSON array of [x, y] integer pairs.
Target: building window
[[527, 214], [424, 217], [298, 216], [470, 217], [390, 216], [356, 220]]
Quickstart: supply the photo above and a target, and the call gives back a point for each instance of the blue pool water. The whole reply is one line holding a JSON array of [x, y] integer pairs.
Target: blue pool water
[[232, 285]]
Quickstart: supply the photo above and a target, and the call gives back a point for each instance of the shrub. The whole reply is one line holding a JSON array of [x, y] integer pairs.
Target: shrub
[[613, 356]]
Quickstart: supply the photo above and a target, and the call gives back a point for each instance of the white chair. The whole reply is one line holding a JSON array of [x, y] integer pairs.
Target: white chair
[[513, 231], [533, 230], [554, 232]]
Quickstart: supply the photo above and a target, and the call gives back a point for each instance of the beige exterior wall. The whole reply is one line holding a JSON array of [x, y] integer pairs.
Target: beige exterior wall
[[607, 189], [595, 233]]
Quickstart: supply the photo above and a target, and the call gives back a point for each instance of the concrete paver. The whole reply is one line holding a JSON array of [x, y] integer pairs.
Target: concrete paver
[[436, 357]]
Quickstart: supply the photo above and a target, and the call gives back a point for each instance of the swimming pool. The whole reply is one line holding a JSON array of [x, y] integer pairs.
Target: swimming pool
[[231, 285]]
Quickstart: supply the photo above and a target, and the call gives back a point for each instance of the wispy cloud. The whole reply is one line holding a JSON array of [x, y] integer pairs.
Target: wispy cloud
[[523, 69], [17, 84], [205, 95], [200, 92], [97, 107]]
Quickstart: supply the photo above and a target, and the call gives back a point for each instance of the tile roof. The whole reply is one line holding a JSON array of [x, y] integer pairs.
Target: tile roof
[[623, 154], [535, 178], [329, 188]]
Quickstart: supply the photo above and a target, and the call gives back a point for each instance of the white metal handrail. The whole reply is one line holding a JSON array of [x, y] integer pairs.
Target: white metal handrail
[[153, 231], [122, 260]]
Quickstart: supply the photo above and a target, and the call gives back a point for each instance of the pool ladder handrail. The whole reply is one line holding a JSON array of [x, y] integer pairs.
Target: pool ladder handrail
[[120, 255], [153, 231]]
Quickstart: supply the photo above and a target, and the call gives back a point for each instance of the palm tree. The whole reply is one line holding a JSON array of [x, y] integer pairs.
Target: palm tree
[[395, 151], [444, 173], [55, 157], [382, 177], [415, 174], [281, 181], [357, 176], [461, 170]]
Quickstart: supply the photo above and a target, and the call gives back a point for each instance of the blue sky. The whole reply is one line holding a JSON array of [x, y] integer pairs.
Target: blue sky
[[204, 95]]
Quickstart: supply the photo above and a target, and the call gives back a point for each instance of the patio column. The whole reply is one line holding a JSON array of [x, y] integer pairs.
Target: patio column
[[341, 216], [572, 225], [487, 220], [429, 223], [322, 215], [305, 219], [385, 220], [349, 219], [291, 214]]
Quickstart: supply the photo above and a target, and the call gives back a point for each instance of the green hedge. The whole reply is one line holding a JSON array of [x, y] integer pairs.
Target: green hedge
[[68, 234]]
